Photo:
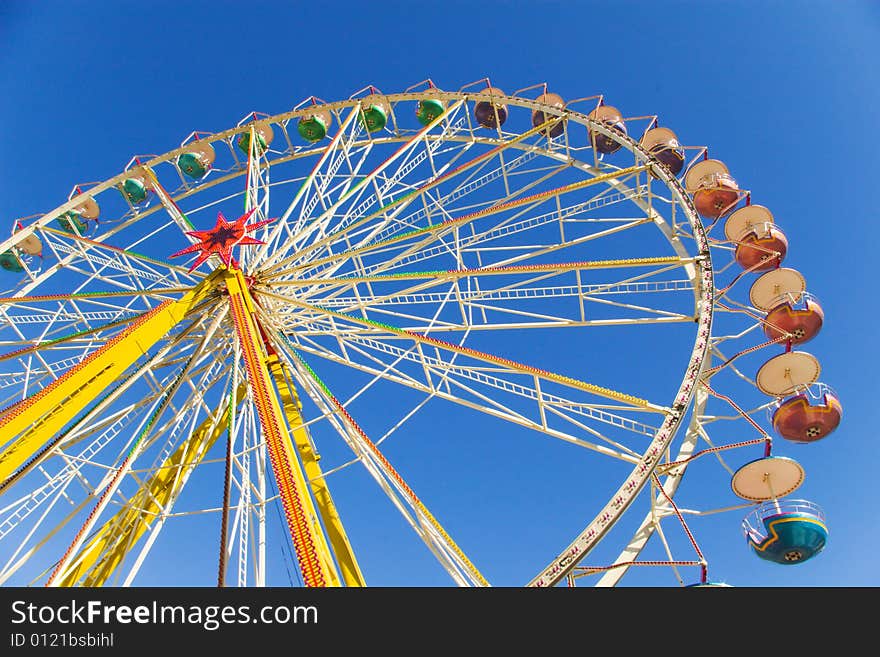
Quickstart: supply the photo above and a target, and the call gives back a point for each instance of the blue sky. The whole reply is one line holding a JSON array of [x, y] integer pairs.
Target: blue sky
[[784, 92]]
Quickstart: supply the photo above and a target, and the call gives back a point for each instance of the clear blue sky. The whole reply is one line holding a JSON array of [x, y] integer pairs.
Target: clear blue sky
[[786, 93]]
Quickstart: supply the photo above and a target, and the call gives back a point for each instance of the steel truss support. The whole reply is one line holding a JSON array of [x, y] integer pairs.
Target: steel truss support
[[309, 542], [31, 423], [350, 571], [100, 557]]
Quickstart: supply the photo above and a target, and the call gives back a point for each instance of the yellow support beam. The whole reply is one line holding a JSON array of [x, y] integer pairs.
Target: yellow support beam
[[99, 558], [309, 542], [350, 571], [28, 425]]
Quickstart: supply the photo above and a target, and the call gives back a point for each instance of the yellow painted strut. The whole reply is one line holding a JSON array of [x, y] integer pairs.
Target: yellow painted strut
[[350, 571], [309, 543], [28, 425], [105, 551]]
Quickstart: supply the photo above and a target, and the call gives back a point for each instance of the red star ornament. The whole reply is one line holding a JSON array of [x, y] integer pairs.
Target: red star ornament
[[221, 238]]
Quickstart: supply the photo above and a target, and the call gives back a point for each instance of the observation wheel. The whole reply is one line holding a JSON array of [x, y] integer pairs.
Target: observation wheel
[[417, 338]]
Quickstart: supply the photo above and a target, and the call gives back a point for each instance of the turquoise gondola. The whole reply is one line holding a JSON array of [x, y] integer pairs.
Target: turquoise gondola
[[787, 531]]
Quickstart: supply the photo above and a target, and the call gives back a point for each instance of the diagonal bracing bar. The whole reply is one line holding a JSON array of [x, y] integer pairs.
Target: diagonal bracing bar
[[416, 193], [438, 228], [479, 355], [103, 554], [28, 425]]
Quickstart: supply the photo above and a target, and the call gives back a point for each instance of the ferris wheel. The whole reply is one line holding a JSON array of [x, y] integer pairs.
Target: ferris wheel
[[467, 333]]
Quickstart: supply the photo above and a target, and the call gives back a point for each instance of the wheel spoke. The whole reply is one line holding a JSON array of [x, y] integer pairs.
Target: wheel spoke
[[489, 358], [427, 525], [410, 197]]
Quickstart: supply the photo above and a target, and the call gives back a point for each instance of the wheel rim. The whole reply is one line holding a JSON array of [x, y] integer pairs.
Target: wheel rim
[[695, 259]]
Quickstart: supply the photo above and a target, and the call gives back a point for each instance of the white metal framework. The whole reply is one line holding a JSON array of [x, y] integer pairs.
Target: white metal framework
[[510, 324]]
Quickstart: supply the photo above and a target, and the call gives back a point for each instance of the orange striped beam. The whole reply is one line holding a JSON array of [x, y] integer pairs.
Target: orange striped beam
[[310, 545], [449, 274]]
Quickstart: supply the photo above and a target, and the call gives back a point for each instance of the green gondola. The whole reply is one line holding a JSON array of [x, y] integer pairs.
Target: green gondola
[[71, 222], [10, 262], [428, 110]]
